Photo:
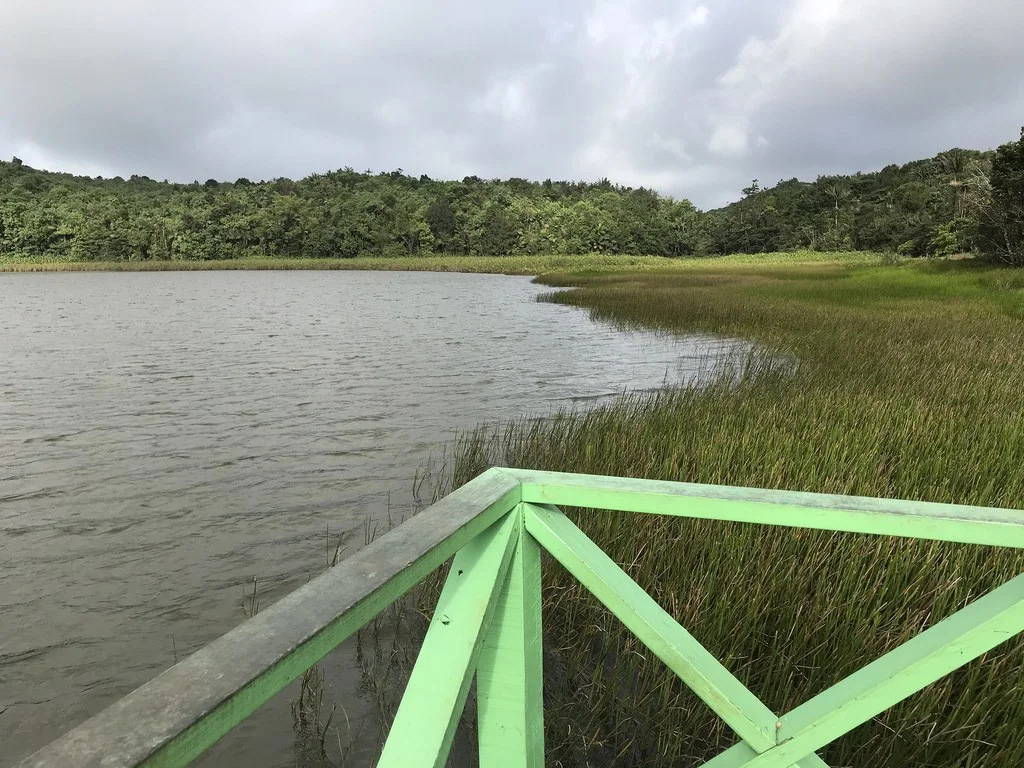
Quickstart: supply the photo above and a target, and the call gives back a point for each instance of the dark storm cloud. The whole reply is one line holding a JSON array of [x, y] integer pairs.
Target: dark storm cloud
[[691, 98]]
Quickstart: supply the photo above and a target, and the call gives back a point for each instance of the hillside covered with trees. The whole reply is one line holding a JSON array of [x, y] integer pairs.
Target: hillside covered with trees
[[959, 201]]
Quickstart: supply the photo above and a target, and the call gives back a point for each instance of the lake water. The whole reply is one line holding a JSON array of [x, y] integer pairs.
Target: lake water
[[166, 437]]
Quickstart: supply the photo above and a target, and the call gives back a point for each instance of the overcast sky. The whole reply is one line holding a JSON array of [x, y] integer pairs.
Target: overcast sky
[[693, 98]]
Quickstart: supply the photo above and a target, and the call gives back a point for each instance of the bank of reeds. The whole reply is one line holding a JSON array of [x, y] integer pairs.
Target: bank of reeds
[[510, 265], [907, 383]]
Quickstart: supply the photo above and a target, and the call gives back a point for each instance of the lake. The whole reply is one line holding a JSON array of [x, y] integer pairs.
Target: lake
[[167, 437]]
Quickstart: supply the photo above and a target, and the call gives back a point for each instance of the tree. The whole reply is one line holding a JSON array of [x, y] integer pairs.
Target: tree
[[955, 162], [441, 221], [497, 234], [935, 206], [837, 193], [1003, 224], [679, 237]]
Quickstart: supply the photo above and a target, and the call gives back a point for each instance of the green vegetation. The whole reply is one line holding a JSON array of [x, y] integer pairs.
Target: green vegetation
[[510, 265], [507, 265], [1002, 222], [896, 381], [341, 214], [958, 201]]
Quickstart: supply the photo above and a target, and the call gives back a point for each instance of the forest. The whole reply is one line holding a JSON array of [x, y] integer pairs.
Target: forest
[[959, 201]]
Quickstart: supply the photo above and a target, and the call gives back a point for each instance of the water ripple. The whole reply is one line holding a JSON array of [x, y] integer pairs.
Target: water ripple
[[166, 437]]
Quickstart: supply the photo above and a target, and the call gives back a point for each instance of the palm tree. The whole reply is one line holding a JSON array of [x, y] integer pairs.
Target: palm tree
[[838, 193], [956, 163]]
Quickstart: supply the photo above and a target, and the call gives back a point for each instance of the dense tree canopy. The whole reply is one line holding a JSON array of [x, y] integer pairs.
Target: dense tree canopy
[[1002, 222], [337, 214], [926, 207], [960, 200]]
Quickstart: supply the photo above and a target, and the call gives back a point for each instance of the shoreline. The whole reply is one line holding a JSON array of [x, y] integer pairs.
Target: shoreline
[[506, 265], [510, 265]]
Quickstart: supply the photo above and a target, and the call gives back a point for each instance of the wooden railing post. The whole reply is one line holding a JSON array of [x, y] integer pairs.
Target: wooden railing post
[[434, 698], [509, 674]]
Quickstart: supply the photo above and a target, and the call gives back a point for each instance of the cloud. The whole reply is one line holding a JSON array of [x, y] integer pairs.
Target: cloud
[[729, 139], [697, 16], [691, 98]]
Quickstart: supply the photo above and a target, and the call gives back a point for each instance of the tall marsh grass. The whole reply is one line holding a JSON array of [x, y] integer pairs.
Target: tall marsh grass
[[512, 265], [909, 385]]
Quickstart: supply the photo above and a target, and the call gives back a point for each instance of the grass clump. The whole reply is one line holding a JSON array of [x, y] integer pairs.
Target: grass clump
[[892, 381]]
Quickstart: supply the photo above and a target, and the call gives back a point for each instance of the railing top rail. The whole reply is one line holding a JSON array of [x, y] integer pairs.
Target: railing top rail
[[855, 514], [178, 714]]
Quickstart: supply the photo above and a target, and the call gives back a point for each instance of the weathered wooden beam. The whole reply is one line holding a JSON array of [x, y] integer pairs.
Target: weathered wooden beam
[[182, 712], [509, 676], [435, 695], [914, 519]]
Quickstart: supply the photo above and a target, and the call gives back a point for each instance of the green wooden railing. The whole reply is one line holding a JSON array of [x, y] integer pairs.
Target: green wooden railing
[[487, 625]]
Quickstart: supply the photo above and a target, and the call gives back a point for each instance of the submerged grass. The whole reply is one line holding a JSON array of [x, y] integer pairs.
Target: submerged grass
[[513, 265], [907, 384]]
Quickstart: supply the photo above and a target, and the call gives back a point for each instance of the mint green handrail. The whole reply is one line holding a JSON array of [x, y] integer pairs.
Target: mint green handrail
[[487, 626]]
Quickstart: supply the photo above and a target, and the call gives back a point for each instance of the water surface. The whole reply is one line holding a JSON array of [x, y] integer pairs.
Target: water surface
[[166, 437]]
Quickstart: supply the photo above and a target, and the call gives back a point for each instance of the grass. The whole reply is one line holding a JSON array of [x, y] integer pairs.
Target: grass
[[519, 265], [907, 384], [516, 265]]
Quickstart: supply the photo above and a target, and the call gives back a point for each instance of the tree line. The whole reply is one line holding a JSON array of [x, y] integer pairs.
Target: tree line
[[959, 201]]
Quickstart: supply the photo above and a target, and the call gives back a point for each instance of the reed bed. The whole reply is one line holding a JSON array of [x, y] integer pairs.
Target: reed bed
[[512, 265], [892, 381]]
